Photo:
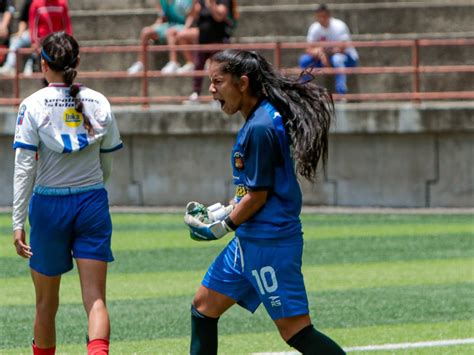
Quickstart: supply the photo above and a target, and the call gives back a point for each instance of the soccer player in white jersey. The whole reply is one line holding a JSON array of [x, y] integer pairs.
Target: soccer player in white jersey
[[64, 134], [328, 28]]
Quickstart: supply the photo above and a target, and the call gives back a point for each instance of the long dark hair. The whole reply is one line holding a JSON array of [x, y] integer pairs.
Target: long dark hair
[[61, 52], [307, 109]]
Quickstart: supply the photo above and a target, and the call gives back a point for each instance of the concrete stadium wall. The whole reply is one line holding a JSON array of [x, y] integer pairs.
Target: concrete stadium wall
[[393, 155]]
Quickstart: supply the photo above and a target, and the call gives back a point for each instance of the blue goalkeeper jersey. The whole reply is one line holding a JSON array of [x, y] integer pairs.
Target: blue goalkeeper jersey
[[261, 160]]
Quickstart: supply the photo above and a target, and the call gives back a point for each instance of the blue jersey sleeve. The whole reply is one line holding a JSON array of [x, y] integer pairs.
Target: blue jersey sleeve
[[263, 154]]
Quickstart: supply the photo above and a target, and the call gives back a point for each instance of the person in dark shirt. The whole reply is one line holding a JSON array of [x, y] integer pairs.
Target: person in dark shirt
[[213, 24]]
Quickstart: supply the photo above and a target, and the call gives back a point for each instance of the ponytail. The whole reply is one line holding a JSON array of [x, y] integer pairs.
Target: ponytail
[[61, 52], [306, 108]]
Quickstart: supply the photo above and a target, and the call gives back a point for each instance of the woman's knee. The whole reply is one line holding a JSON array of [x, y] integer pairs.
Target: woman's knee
[[95, 307], [211, 303], [187, 36], [288, 327], [198, 300], [47, 307], [147, 33]]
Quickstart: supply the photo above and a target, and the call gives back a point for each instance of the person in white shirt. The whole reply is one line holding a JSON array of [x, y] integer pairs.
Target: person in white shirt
[[64, 134], [328, 28]]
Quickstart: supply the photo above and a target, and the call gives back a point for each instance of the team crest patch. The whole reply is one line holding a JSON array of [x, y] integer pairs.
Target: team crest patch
[[72, 118], [240, 191], [238, 161], [21, 115]]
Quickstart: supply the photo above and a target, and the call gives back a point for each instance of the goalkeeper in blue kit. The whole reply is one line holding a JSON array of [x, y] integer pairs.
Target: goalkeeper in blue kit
[[286, 126]]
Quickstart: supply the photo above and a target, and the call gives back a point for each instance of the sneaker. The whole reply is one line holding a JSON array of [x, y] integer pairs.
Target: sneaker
[[28, 69], [193, 99], [136, 68], [170, 67], [186, 68], [7, 70]]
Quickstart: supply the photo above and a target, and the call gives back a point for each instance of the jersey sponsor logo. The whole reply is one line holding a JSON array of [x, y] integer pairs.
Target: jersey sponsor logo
[[72, 118], [21, 115], [238, 161]]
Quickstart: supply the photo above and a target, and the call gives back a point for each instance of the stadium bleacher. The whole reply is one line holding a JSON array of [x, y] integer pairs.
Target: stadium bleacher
[[119, 23]]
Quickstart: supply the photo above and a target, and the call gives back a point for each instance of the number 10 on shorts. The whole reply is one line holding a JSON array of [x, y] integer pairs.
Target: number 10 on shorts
[[266, 275]]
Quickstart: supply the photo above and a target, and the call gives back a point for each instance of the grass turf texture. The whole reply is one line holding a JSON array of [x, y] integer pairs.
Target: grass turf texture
[[371, 279]]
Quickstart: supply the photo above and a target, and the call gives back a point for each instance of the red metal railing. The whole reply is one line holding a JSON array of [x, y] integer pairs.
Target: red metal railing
[[415, 69]]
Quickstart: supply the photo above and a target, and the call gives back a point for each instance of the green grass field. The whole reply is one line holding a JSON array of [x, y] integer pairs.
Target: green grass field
[[371, 279]]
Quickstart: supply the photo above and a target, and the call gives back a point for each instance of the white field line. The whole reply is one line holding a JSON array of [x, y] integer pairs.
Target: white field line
[[399, 346], [421, 344]]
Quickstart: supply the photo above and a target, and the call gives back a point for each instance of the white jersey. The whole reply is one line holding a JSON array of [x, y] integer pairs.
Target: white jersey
[[336, 31], [67, 155]]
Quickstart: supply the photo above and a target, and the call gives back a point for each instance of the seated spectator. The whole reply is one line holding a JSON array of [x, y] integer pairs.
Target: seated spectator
[[215, 20], [328, 28], [190, 34], [171, 18], [21, 39], [7, 9], [187, 35]]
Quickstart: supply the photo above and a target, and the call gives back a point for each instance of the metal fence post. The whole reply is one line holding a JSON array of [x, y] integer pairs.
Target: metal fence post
[[277, 55], [145, 74], [415, 60]]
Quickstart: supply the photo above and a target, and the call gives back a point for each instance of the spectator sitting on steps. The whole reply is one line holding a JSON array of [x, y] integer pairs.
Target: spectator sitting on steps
[[21, 39], [7, 10], [328, 28], [215, 20], [171, 18]]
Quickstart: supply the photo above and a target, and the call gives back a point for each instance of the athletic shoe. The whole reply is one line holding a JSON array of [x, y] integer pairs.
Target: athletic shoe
[[7, 70], [193, 99], [170, 67], [186, 68], [28, 69], [136, 68]]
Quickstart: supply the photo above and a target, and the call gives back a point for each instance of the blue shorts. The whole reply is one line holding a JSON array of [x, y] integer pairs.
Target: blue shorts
[[65, 226], [254, 271]]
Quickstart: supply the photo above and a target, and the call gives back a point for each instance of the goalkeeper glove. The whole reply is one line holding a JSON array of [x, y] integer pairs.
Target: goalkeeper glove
[[209, 223], [213, 213], [206, 231]]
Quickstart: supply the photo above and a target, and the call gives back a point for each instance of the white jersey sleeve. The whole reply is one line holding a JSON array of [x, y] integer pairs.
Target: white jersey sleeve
[[314, 33], [343, 33], [26, 132], [111, 140], [23, 180]]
